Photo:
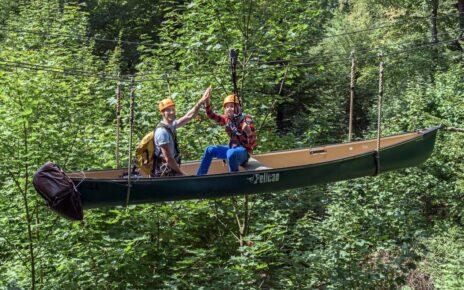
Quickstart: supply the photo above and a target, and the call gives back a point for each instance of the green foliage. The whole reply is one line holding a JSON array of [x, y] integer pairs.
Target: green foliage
[[380, 232], [444, 262]]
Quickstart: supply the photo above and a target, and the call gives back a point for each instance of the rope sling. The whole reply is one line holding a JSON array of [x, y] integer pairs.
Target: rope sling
[[129, 162], [379, 106], [379, 114], [118, 122], [352, 86]]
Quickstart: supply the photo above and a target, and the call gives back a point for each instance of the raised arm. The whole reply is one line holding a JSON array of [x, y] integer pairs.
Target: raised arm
[[212, 115], [189, 115], [193, 112]]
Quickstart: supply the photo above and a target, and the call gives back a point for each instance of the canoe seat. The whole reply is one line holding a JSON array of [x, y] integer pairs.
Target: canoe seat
[[254, 164]]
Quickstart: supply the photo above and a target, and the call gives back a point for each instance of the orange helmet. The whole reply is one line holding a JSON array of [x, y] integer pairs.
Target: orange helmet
[[166, 103], [231, 99]]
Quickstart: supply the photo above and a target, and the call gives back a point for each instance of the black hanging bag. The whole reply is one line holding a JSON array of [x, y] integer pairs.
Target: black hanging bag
[[59, 191]]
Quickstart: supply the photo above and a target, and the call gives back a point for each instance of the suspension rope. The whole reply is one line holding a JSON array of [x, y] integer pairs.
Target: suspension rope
[[118, 121], [129, 162], [352, 85], [379, 114]]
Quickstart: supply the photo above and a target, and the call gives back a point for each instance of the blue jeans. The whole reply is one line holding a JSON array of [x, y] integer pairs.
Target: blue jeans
[[234, 156]]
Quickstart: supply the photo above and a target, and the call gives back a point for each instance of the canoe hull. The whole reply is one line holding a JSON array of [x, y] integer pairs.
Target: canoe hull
[[100, 193]]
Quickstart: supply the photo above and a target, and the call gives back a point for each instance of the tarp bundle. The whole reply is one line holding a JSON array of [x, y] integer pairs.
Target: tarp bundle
[[59, 191]]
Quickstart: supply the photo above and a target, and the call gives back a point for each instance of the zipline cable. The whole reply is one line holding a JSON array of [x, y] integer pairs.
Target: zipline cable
[[59, 70], [145, 43], [67, 71], [353, 32], [286, 62], [84, 39], [312, 63], [430, 44], [323, 57], [407, 43], [331, 55], [72, 72]]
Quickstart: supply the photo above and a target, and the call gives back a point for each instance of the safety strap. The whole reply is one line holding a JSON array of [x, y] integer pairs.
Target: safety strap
[[233, 68], [158, 162], [173, 135]]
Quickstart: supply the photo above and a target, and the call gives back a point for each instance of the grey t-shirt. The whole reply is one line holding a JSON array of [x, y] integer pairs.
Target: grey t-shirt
[[162, 136]]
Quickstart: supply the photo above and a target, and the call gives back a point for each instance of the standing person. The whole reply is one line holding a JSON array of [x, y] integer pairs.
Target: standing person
[[241, 131], [167, 155]]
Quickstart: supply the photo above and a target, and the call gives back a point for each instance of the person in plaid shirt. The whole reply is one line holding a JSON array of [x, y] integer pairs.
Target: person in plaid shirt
[[241, 131]]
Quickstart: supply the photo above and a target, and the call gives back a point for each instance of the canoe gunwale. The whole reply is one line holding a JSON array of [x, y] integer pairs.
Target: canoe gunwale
[[123, 181]]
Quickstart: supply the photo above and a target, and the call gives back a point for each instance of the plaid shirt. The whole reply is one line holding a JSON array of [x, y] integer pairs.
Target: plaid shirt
[[237, 136]]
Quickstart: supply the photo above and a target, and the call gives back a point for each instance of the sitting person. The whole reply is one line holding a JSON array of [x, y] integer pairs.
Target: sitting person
[[167, 155], [241, 132]]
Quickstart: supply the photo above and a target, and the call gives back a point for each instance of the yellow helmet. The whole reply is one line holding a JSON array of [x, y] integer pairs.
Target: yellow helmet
[[231, 99], [166, 103]]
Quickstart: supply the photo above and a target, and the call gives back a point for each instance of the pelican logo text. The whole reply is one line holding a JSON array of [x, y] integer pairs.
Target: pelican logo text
[[264, 178]]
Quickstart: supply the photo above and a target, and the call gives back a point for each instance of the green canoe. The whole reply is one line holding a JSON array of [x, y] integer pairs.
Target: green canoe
[[267, 172]]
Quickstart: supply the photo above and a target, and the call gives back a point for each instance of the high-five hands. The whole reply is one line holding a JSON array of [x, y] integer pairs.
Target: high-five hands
[[205, 99]]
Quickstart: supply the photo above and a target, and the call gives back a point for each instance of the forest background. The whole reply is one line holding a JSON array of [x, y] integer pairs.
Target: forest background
[[61, 61]]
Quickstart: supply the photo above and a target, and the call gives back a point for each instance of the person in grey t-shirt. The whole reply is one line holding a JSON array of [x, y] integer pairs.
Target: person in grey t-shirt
[[167, 155]]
